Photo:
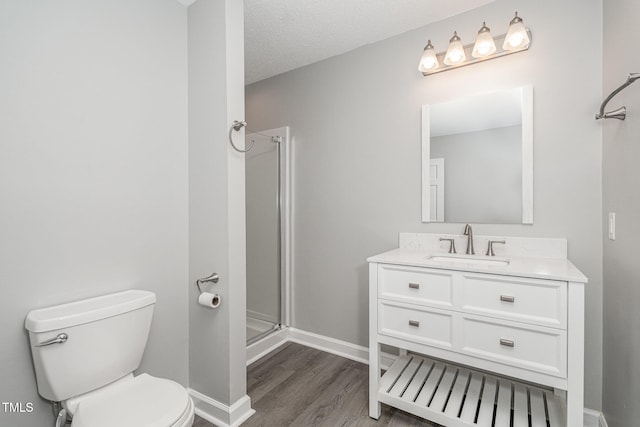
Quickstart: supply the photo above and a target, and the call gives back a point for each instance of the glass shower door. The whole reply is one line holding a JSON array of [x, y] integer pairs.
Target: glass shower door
[[263, 241]]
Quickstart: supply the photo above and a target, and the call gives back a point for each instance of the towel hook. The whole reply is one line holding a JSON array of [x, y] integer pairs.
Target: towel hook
[[620, 113]]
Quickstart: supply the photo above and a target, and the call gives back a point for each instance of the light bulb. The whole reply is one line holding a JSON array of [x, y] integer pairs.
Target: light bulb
[[455, 56], [517, 36], [428, 60], [484, 45], [515, 40], [455, 53]]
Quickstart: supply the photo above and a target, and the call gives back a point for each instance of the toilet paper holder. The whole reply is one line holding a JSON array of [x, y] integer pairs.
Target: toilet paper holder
[[212, 278]]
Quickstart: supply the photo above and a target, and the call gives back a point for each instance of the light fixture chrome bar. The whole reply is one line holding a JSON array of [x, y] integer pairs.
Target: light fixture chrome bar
[[468, 49]]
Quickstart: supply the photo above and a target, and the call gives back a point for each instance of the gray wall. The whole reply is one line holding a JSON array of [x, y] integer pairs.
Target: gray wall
[[621, 175], [93, 172], [355, 120], [482, 175]]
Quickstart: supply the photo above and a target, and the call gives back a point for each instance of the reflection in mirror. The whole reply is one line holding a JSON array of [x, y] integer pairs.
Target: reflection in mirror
[[477, 163]]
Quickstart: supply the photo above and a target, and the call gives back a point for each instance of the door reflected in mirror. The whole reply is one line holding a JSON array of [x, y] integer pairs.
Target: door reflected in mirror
[[477, 159]]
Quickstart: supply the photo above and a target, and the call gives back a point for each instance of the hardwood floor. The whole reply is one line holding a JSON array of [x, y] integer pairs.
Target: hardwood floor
[[302, 386]]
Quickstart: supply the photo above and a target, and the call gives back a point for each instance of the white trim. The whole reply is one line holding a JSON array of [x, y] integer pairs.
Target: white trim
[[290, 170], [426, 163], [266, 345], [320, 342], [219, 413], [330, 345], [287, 230], [593, 418], [603, 421], [527, 154], [186, 3]]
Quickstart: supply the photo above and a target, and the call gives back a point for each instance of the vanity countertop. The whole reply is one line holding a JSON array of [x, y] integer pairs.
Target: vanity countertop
[[534, 267]]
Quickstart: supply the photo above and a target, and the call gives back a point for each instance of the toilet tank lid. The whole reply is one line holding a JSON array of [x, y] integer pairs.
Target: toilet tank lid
[[87, 310]]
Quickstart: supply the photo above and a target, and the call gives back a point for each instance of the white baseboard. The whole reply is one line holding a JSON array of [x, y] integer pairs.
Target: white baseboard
[[594, 418], [330, 345], [338, 347], [220, 414], [266, 345], [320, 342], [360, 354]]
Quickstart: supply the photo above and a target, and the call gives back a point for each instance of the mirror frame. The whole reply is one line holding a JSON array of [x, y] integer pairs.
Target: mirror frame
[[527, 158]]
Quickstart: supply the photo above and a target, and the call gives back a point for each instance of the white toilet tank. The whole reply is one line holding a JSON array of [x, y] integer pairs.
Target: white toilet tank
[[105, 340]]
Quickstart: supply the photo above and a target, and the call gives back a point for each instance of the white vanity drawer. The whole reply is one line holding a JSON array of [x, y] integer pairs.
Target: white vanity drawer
[[416, 285], [536, 349], [540, 302], [418, 324]]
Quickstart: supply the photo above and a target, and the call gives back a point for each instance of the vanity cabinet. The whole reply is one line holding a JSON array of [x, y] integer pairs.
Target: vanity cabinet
[[479, 347]]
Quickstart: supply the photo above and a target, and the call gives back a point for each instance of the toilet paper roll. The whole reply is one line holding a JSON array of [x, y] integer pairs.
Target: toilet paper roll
[[209, 300]]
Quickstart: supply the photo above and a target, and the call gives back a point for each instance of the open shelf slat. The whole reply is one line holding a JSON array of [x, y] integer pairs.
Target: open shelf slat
[[455, 396]]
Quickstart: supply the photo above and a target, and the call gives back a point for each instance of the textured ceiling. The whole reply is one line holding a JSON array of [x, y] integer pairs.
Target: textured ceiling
[[281, 35]]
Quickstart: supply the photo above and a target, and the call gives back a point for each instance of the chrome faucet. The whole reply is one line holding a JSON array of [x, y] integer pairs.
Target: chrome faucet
[[469, 233]]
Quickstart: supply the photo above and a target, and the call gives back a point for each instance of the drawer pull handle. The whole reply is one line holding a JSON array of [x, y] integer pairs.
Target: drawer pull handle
[[414, 285], [507, 298], [414, 323], [506, 343]]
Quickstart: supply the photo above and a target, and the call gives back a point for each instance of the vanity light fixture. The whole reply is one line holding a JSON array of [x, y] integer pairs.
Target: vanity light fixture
[[455, 52], [517, 39], [517, 36], [429, 60], [485, 45]]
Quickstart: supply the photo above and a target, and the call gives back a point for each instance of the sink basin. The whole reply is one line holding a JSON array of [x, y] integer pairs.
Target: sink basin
[[469, 260]]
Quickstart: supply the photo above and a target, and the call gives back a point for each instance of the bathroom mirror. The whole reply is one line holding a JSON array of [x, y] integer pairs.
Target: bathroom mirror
[[477, 159]]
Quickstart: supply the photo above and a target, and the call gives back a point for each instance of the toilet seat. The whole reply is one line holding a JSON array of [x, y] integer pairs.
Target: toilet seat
[[141, 401]]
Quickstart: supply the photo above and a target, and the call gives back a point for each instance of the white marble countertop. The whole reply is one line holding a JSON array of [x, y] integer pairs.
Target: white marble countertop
[[534, 267]]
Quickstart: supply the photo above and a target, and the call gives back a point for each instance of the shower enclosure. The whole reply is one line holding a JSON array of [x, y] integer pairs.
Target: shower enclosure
[[267, 208]]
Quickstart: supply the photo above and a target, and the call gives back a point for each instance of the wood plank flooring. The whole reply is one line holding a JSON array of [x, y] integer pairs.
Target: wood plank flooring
[[301, 386]]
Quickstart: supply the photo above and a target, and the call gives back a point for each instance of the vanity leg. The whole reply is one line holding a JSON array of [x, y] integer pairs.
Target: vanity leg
[[374, 381], [374, 347], [575, 356]]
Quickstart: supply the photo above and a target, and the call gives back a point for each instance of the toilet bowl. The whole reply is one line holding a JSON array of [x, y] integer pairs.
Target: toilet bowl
[[84, 355]]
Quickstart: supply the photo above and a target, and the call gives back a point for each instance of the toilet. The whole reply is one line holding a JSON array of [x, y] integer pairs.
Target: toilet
[[84, 354]]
